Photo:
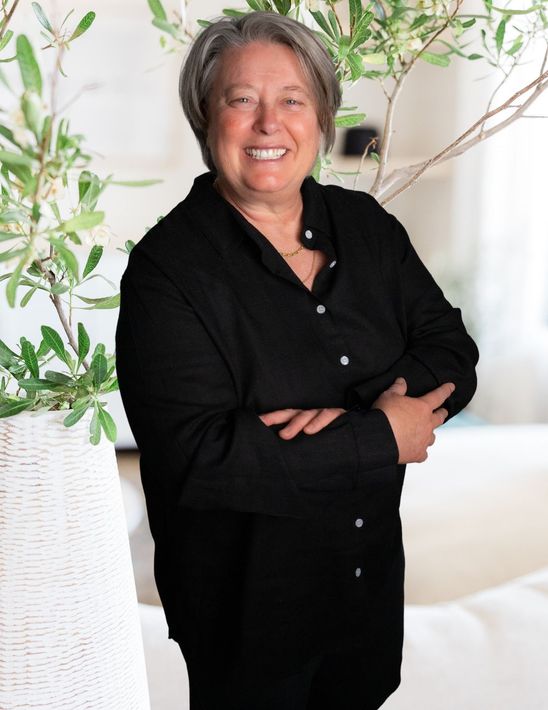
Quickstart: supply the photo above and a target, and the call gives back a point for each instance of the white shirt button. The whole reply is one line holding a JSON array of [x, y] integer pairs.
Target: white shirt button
[[332, 264], [344, 360], [358, 571], [358, 522], [308, 234], [320, 308]]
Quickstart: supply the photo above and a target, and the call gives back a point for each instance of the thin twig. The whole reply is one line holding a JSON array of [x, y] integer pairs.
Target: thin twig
[[7, 18], [455, 148]]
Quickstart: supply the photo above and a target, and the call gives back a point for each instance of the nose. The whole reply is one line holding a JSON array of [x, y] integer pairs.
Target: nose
[[266, 118]]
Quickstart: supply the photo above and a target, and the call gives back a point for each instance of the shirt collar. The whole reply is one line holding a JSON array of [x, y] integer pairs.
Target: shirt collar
[[210, 210]]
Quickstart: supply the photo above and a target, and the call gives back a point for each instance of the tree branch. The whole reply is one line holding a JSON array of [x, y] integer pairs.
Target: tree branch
[[457, 147]]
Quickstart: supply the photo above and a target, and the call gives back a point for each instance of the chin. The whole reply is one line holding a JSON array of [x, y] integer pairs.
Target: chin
[[268, 183]]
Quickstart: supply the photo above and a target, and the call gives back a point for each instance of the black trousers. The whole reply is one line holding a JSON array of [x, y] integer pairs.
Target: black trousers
[[328, 682]]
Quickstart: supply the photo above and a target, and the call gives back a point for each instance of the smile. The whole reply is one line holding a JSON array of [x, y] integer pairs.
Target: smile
[[266, 153]]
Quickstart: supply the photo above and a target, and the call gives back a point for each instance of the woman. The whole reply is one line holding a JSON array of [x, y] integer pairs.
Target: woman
[[282, 354]]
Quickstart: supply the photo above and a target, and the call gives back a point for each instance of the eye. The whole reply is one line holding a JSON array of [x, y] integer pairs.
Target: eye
[[240, 100], [292, 102]]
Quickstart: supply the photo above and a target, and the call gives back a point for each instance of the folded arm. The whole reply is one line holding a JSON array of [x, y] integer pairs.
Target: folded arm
[[181, 403], [439, 348]]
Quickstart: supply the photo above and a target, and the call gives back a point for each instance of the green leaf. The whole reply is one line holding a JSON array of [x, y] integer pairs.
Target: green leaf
[[31, 106], [5, 39], [83, 25], [29, 294], [53, 339], [105, 302], [334, 24], [203, 23], [157, 9], [7, 357], [165, 26], [10, 158], [67, 256], [344, 47], [43, 350], [28, 66], [89, 189], [11, 288], [95, 427], [419, 21], [28, 354], [518, 41], [440, 60], [42, 19], [93, 259], [59, 378], [227, 12], [99, 367], [107, 422], [282, 6], [83, 343], [112, 387], [499, 35], [58, 288], [361, 31], [35, 384], [316, 170], [135, 183], [355, 11], [353, 119], [74, 416], [84, 220], [11, 408], [323, 23], [129, 245], [5, 255], [354, 61]]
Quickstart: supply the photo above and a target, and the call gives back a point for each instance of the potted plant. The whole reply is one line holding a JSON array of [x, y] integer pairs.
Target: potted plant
[[69, 612]]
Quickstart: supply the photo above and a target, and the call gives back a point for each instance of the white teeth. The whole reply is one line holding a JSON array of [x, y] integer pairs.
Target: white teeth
[[269, 154]]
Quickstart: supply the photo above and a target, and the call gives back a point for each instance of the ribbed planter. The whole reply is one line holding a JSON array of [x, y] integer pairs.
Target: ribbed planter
[[70, 634]]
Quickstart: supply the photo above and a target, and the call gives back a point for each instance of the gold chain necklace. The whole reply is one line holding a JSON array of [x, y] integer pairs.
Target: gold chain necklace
[[288, 253]]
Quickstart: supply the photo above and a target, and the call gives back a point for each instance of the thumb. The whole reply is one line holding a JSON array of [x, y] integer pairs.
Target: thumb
[[399, 385]]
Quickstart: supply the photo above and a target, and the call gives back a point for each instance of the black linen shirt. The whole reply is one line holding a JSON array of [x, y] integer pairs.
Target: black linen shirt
[[270, 551]]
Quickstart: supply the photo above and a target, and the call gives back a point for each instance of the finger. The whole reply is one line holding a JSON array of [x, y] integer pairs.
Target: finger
[[279, 416], [322, 419], [440, 415], [399, 385], [297, 423], [438, 396]]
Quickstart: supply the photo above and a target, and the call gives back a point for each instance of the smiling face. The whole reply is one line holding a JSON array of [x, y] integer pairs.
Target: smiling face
[[263, 132]]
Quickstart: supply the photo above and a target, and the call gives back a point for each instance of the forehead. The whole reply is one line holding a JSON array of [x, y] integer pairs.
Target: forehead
[[258, 62]]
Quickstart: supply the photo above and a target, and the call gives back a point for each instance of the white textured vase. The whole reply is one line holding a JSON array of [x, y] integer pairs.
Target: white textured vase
[[70, 634]]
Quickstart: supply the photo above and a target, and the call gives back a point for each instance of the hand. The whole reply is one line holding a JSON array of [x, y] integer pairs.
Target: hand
[[308, 420], [413, 419]]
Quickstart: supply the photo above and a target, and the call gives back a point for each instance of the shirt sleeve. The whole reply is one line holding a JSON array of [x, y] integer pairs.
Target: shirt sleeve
[[182, 406], [439, 348]]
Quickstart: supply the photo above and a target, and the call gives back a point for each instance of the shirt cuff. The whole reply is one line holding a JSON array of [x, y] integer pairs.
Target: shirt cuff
[[375, 439]]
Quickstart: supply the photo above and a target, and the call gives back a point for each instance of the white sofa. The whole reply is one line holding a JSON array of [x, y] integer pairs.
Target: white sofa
[[476, 620]]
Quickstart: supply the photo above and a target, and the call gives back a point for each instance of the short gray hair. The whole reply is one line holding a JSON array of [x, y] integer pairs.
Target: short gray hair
[[201, 62]]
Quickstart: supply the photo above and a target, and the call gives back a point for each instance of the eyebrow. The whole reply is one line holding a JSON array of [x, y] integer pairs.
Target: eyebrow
[[293, 87]]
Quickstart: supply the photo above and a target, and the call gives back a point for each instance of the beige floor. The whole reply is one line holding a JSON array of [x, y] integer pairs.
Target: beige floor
[[141, 542]]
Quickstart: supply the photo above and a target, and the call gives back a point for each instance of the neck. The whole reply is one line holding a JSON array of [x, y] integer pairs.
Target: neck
[[267, 213]]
